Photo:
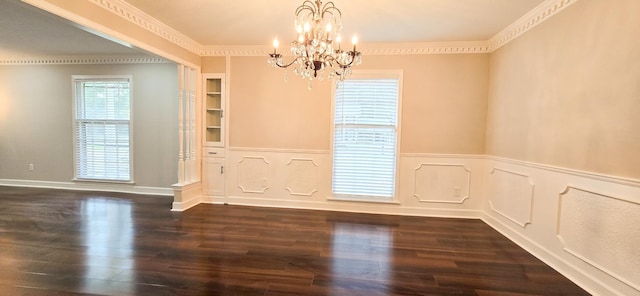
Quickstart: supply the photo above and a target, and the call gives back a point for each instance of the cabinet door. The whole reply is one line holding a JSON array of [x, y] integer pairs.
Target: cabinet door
[[213, 176]]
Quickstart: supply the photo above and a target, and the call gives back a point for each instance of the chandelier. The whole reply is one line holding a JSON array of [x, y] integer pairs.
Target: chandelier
[[317, 51]]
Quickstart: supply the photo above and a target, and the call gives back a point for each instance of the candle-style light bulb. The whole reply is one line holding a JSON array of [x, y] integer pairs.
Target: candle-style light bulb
[[307, 28], [275, 45], [328, 31], [338, 40], [354, 40]]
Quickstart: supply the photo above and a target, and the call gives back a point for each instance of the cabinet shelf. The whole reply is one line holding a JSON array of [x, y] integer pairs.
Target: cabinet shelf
[[213, 110]]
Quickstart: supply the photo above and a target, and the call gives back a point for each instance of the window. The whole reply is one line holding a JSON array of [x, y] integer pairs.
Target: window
[[102, 128], [365, 136]]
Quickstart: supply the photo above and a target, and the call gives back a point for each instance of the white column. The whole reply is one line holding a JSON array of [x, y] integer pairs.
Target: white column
[[190, 128], [181, 167], [187, 133], [195, 175], [187, 128]]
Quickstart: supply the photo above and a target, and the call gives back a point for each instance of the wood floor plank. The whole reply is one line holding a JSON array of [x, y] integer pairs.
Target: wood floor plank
[[60, 242]]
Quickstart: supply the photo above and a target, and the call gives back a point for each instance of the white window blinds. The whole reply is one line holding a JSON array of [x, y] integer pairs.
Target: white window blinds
[[364, 141], [102, 129]]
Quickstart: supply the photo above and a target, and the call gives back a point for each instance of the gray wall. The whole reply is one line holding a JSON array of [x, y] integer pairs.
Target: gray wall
[[36, 121]]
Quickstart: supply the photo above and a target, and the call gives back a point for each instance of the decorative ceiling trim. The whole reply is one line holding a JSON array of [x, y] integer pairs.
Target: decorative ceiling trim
[[426, 48], [149, 23], [78, 60], [238, 50], [370, 49], [536, 16]]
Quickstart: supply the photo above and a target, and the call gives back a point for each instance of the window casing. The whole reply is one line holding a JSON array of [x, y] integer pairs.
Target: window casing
[[102, 128], [365, 136]]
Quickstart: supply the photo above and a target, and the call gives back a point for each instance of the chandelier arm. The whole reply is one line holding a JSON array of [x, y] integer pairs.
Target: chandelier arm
[[330, 7], [306, 5], [277, 56], [353, 55]]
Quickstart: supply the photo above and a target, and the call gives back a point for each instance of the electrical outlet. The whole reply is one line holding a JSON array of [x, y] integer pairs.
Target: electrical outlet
[[31, 166]]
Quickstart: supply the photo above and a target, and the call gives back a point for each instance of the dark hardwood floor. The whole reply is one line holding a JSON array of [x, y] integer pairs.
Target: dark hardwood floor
[[57, 242]]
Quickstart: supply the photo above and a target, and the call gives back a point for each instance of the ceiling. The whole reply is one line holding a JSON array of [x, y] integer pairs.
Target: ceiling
[[27, 31], [256, 22]]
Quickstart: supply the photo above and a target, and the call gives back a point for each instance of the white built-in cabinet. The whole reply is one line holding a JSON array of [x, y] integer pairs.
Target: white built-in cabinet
[[214, 102], [213, 172]]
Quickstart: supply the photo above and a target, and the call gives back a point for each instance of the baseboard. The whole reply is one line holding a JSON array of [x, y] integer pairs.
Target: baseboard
[[185, 205], [186, 196], [344, 206], [89, 186]]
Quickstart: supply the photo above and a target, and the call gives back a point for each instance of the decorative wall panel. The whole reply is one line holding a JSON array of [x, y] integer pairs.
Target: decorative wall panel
[[253, 174], [441, 183], [511, 196], [602, 230], [302, 177]]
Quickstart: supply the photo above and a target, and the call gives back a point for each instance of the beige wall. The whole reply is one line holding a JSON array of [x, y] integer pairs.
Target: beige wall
[[444, 101], [267, 112], [213, 64], [36, 121], [444, 104], [567, 93]]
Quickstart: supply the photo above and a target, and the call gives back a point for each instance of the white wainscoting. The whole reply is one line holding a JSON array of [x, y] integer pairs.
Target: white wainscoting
[[442, 183], [447, 185], [427, 185], [586, 226], [511, 195], [302, 176], [253, 174], [614, 221]]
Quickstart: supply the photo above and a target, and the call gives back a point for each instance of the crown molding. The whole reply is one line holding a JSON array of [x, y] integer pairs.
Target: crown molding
[[236, 50], [80, 60], [420, 48], [536, 16], [369, 49], [149, 23]]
